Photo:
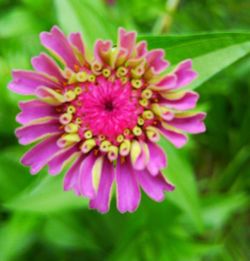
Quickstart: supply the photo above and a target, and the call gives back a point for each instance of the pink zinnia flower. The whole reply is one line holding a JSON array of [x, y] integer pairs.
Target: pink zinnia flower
[[106, 114]]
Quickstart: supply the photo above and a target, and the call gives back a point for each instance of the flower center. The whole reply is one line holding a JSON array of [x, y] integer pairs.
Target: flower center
[[109, 106], [107, 110]]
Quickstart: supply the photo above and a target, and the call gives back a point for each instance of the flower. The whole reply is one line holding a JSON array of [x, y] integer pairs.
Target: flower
[[105, 114]]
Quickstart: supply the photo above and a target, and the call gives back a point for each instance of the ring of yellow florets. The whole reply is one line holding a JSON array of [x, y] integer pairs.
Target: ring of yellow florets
[[138, 77]]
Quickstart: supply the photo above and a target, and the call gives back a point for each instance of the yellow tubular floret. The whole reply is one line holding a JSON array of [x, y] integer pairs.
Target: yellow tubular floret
[[81, 76], [88, 134], [71, 109], [148, 115], [137, 131], [147, 94], [106, 72], [68, 139], [91, 78], [120, 138], [70, 95], [135, 151], [152, 134], [137, 83], [88, 145], [125, 148], [78, 90], [113, 153], [65, 118], [144, 102], [71, 128], [121, 71], [104, 147], [140, 121]]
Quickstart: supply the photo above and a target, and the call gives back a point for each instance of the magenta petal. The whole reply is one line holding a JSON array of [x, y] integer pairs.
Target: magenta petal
[[142, 161], [155, 59], [31, 133], [153, 186], [43, 63], [85, 178], [39, 155], [168, 82], [192, 124], [26, 82], [158, 159], [178, 139], [71, 179], [127, 40], [58, 43], [102, 200], [57, 163], [76, 40], [34, 109], [128, 192], [185, 74], [102, 48], [141, 48], [187, 102]]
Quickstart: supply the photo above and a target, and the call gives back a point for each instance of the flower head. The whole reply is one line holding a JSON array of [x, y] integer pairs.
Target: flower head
[[105, 114]]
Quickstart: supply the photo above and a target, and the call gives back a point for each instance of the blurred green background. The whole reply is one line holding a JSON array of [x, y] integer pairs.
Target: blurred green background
[[206, 218]]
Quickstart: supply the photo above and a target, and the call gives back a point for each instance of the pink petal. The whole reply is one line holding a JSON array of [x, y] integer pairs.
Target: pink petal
[[177, 139], [155, 59], [158, 159], [26, 82], [102, 200], [168, 82], [141, 49], [186, 102], [128, 193], [184, 73], [33, 132], [153, 186], [58, 43], [71, 179], [102, 48], [57, 163], [127, 40], [76, 40], [192, 124], [43, 63], [39, 155], [142, 161], [85, 178], [34, 109]]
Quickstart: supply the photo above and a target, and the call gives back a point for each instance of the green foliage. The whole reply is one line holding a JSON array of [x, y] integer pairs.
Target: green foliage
[[206, 217]]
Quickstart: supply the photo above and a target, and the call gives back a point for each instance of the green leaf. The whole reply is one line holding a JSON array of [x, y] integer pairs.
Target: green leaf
[[89, 17], [181, 174], [217, 209], [46, 195], [16, 235], [17, 22], [210, 53], [66, 231]]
